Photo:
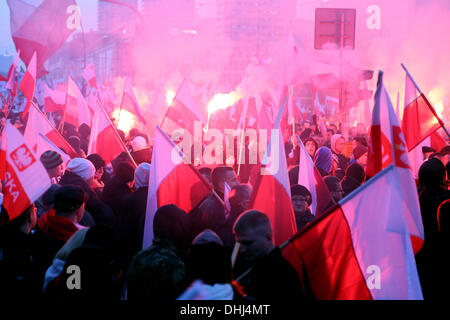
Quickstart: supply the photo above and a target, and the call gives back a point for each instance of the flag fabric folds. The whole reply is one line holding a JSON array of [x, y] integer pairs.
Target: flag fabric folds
[[76, 109], [42, 29], [183, 111], [171, 182], [309, 177], [129, 102], [25, 177], [28, 84], [54, 100], [364, 248], [38, 124], [419, 120], [104, 139]]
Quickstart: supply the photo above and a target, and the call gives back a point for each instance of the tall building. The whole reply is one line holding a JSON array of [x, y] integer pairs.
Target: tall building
[[113, 17]]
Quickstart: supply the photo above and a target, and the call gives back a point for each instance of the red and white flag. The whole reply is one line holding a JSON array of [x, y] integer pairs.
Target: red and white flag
[[38, 124], [394, 141], [419, 118], [54, 100], [310, 178], [11, 85], [130, 103], [272, 195], [28, 83], [183, 112], [171, 182], [76, 109], [89, 75], [44, 144], [104, 138], [42, 28], [364, 248], [24, 175]]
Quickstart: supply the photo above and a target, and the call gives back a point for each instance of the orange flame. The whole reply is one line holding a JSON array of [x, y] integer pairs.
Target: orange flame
[[222, 101]]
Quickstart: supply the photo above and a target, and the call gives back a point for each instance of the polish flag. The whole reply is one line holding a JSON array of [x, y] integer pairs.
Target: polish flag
[[364, 248], [89, 75], [395, 141], [171, 182], [129, 102], [11, 85], [419, 117], [183, 111], [44, 144], [310, 178], [104, 138], [54, 100], [24, 175], [38, 124], [28, 83], [272, 195], [76, 108]]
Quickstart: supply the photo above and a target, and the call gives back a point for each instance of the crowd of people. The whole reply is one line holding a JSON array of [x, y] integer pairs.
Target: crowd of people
[[93, 217]]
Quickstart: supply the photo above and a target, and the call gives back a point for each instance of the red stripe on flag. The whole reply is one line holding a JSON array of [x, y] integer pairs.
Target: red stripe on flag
[[108, 144], [182, 187], [327, 252], [55, 137], [418, 122]]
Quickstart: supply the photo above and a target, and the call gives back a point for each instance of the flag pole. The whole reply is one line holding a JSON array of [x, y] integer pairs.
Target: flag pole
[[426, 100], [243, 124], [116, 133]]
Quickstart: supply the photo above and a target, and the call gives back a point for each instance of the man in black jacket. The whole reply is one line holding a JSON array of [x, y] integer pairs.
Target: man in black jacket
[[271, 276]]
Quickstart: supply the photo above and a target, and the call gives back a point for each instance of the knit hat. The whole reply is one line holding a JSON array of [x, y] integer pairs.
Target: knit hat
[[356, 172], [82, 168], [142, 175], [51, 159], [299, 190], [359, 151], [96, 160], [207, 236], [69, 198], [125, 172], [138, 143]]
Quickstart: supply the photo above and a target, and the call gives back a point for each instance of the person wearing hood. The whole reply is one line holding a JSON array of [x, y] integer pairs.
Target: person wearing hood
[[323, 160], [208, 270], [434, 192], [337, 147], [354, 177], [301, 201], [132, 218], [81, 172], [157, 273]]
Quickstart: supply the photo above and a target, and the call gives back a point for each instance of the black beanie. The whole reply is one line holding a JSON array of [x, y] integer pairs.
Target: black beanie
[[125, 172], [50, 159], [356, 172], [299, 190]]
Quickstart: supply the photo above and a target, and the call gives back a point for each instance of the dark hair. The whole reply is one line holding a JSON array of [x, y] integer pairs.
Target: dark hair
[[96, 160], [218, 174], [208, 262], [68, 198], [443, 213], [293, 175]]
